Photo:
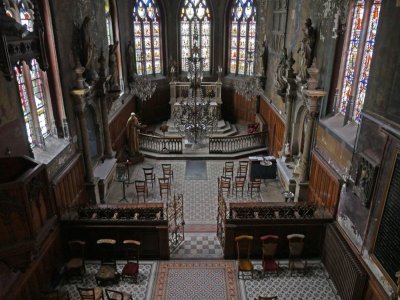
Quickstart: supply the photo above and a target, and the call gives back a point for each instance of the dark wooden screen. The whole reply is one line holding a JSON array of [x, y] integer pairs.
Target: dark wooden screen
[[388, 239]]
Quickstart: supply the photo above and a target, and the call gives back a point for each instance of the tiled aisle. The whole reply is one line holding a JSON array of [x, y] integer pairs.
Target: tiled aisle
[[200, 196]]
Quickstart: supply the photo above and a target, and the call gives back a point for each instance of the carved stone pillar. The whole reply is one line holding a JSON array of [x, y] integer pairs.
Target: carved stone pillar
[[312, 98], [291, 92], [79, 96]]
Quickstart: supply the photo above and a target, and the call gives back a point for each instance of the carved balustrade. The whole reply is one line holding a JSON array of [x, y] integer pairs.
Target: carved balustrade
[[234, 144], [160, 144]]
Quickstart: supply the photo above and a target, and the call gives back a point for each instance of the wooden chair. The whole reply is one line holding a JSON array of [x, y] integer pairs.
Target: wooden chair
[[95, 293], [149, 176], [167, 171], [141, 189], [239, 184], [165, 186], [243, 250], [269, 248], [242, 169], [296, 245], [228, 169], [108, 268], [76, 263], [131, 268], [224, 184], [254, 185], [117, 295]]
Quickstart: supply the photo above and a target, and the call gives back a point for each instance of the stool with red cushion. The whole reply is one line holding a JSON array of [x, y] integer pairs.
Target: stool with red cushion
[[269, 248], [131, 268]]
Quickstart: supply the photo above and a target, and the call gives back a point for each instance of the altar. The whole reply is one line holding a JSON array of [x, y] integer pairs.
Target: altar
[[263, 167]]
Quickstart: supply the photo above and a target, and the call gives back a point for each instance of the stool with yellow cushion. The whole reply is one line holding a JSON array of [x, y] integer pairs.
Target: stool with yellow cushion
[[243, 250], [107, 273]]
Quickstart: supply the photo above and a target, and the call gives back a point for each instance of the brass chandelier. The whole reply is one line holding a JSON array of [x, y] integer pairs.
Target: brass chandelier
[[249, 86], [195, 116]]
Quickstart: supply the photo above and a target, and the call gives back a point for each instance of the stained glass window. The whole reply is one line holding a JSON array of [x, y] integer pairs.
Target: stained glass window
[[31, 88], [367, 57], [146, 28], [242, 37], [352, 86], [195, 15]]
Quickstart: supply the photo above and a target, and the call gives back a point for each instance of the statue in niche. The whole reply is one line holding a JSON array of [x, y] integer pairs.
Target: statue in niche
[[172, 68], [113, 67], [263, 57], [306, 49], [131, 61], [280, 83], [10, 27], [88, 50], [132, 133]]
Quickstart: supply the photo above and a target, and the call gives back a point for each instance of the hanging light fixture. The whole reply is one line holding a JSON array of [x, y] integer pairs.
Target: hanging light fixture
[[249, 86], [142, 87], [195, 116]]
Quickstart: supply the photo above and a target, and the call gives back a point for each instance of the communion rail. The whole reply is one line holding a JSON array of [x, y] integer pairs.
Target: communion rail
[[234, 144], [160, 144]]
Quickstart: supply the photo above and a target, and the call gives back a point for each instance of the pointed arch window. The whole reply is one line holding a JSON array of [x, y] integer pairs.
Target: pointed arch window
[[360, 50], [195, 15], [146, 28], [33, 87], [242, 37]]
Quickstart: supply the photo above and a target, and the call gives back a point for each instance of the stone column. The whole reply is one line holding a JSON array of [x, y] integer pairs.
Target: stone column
[[291, 92], [79, 96], [312, 98]]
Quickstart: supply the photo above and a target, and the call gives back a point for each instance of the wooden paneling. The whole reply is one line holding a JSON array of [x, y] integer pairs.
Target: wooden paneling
[[324, 186], [26, 213], [275, 125], [374, 291], [37, 277], [117, 125], [345, 270], [153, 236], [313, 229], [236, 108], [68, 187]]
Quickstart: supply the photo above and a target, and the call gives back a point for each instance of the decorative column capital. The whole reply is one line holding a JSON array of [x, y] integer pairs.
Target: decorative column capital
[[312, 100], [79, 97]]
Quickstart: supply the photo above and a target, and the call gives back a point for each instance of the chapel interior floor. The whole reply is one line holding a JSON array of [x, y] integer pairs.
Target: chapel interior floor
[[199, 190]]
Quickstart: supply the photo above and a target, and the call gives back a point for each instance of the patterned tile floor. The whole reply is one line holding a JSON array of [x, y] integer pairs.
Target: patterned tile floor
[[315, 285], [200, 200], [200, 209]]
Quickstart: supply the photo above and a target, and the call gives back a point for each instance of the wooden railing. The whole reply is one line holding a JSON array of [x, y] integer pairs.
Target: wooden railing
[[234, 144], [160, 144]]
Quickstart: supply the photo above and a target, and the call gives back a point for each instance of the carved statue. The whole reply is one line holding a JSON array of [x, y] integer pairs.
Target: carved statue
[[113, 66], [10, 27], [280, 83], [131, 61], [306, 49], [88, 49], [132, 132]]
